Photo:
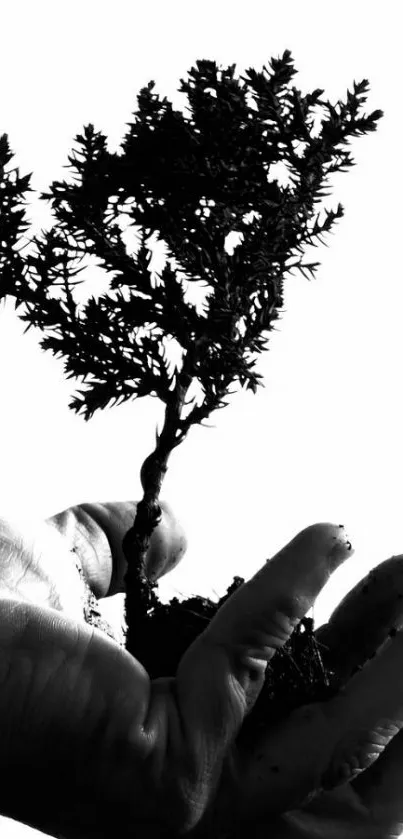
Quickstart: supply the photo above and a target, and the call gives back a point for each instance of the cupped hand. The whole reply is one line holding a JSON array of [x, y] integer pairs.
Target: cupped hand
[[90, 747]]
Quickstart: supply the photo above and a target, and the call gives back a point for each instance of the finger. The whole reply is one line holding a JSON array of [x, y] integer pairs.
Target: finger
[[324, 745], [222, 673], [366, 715], [380, 788], [363, 620], [95, 531]]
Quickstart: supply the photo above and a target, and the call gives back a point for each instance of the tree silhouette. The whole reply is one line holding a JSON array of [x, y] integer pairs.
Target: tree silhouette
[[253, 157]]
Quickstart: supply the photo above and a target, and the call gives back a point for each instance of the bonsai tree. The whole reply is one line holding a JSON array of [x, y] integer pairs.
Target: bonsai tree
[[252, 157]]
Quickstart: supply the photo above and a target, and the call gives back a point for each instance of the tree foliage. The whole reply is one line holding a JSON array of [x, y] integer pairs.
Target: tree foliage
[[191, 180]]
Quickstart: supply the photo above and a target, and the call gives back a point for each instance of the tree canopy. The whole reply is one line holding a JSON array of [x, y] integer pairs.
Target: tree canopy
[[190, 180]]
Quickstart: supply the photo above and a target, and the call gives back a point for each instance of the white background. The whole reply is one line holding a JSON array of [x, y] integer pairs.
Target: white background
[[323, 440]]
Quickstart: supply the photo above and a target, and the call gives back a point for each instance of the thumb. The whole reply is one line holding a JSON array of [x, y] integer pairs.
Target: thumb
[[222, 673]]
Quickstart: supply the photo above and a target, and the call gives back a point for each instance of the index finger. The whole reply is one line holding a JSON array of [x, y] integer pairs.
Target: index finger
[[222, 673]]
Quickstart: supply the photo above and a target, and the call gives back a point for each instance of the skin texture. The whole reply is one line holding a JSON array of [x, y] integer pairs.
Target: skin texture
[[89, 747]]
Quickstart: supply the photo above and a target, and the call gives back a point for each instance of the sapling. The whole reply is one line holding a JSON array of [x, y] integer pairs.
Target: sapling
[[251, 158]]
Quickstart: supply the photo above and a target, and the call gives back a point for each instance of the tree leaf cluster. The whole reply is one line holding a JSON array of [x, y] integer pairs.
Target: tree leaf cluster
[[189, 179], [13, 222]]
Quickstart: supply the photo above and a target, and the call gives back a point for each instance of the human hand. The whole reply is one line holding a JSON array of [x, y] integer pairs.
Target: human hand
[[91, 748]]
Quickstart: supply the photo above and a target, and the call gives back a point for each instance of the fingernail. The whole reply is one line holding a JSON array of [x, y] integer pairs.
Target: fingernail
[[341, 549]]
